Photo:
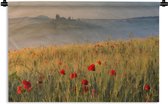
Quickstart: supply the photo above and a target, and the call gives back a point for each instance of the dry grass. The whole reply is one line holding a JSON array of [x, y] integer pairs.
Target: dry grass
[[135, 61]]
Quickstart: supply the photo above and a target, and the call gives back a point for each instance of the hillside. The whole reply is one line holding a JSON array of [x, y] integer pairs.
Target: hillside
[[43, 31]]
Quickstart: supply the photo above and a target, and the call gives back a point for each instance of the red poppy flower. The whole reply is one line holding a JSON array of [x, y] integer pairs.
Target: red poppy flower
[[99, 62], [19, 89], [62, 72], [112, 72], [147, 87], [91, 67], [26, 85], [73, 75], [84, 82], [85, 89]]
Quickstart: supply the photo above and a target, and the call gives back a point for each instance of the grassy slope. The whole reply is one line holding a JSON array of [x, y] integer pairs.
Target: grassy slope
[[136, 63]]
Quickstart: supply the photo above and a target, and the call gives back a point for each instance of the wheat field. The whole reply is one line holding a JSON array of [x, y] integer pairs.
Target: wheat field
[[112, 71]]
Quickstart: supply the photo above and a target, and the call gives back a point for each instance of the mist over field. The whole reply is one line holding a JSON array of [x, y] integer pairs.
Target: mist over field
[[34, 24], [42, 30]]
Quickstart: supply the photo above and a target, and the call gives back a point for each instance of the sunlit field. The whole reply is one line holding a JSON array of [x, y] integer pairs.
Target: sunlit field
[[113, 71]]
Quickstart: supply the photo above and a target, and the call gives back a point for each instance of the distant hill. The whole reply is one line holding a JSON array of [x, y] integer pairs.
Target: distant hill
[[42, 30]]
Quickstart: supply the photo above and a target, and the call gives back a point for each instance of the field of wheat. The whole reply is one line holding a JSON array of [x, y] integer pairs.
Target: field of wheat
[[113, 71]]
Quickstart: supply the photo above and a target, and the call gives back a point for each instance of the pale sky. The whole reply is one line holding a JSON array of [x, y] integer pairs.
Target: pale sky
[[87, 10]]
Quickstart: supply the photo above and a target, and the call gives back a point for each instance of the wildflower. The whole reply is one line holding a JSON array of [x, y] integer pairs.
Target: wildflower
[[27, 85], [62, 72], [112, 72], [91, 67], [84, 82], [19, 89], [73, 75], [146, 87]]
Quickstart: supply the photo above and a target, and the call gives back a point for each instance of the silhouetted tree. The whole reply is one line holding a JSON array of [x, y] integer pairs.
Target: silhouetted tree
[[57, 17]]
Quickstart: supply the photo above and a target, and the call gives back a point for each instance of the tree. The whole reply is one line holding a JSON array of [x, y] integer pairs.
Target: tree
[[57, 17]]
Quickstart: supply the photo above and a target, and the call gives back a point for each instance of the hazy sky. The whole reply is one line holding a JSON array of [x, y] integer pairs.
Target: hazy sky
[[87, 10]]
